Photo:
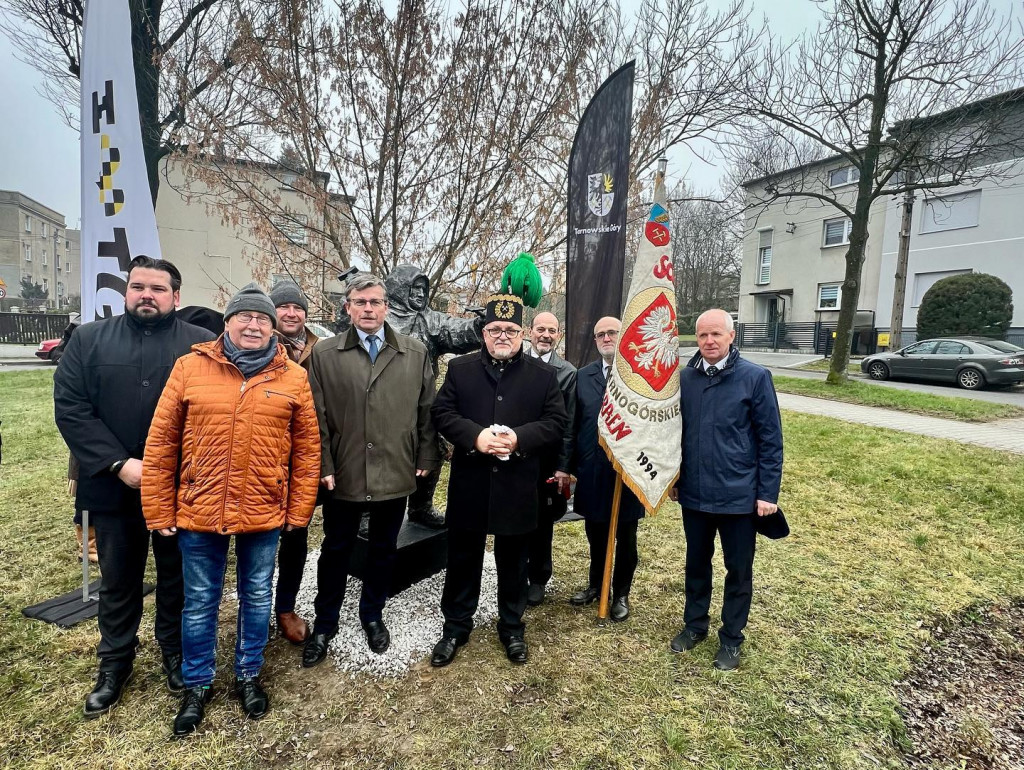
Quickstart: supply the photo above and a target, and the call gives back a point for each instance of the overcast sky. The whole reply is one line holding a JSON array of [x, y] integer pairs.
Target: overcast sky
[[39, 153]]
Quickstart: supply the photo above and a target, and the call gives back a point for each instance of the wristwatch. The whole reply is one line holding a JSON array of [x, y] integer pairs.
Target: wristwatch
[[115, 468]]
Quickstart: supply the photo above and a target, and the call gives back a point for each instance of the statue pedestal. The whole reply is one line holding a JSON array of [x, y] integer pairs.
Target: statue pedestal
[[422, 552]]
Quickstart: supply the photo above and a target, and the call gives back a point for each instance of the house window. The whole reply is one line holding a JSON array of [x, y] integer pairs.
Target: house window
[[924, 281], [46, 284], [829, 295], [951, 212], [837, 232], [276, 278], [843, 176], [293, 228], [764, 256], [28, 223], [44, 257], [67, 268], [28, 252], [60, 289], [42, 229]]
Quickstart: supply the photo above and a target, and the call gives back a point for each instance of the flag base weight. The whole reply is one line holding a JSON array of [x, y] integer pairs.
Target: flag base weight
[[69, 609]]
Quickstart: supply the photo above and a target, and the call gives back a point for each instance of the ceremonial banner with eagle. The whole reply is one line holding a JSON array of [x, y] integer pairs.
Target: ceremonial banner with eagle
[[118, 222], [640, 423]]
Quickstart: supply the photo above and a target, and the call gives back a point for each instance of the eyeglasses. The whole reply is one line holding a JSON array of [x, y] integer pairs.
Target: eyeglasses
[[376, 304], [248, 318], [611, 334], [510, 333]]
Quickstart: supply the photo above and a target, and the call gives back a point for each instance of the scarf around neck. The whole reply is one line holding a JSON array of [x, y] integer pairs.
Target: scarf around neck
[[250, 362]]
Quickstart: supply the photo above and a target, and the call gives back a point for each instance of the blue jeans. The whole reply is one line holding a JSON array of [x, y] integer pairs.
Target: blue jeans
[[204, 557]]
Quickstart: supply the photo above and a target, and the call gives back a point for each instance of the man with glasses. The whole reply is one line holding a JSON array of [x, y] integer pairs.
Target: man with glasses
[[372, 388], [503, 412], [595, 483]]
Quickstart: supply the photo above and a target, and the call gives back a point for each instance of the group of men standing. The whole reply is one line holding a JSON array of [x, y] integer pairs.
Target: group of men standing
[[254, 426]]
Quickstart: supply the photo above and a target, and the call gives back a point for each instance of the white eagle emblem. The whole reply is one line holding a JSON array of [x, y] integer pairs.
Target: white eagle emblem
[[659, 344]]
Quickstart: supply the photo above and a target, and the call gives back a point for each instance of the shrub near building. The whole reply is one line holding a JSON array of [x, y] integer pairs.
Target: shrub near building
[[973, 304]]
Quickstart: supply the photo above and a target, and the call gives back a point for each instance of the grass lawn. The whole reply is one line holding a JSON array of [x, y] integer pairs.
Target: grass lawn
[[824, 364], [890, 532], [855, 392]]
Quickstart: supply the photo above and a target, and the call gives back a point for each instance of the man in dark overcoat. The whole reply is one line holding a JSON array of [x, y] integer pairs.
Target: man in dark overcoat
[[502, 411], [595, 483], [105, 392], [730, 475], [545, 333]]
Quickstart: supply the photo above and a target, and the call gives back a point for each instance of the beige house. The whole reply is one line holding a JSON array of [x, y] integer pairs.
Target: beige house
[[35, 244], [225, 223]]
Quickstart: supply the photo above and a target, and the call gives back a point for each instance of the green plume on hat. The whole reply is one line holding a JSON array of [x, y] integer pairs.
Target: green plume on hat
[[522, 278]]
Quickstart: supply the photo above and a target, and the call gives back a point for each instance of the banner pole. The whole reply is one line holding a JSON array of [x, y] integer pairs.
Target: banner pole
[[613, 525], [85, 556]]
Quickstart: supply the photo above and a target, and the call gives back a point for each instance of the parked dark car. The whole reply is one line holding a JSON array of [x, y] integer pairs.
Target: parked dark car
[[970, 362]]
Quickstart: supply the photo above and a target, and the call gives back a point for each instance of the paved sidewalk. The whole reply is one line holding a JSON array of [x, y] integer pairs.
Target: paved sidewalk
[[1006, 435]]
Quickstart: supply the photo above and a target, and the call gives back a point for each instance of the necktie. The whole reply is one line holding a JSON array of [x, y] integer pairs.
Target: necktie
[[372, 342], [712, 370]]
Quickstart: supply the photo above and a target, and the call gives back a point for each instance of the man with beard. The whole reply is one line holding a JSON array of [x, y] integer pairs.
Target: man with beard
[[554, 479], [503, 412], [105, 392], [291, 307]]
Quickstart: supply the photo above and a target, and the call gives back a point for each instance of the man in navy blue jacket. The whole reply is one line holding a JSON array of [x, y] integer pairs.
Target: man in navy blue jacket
[[730, 474]]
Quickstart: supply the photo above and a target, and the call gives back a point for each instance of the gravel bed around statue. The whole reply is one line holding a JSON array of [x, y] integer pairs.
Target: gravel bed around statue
[[413, 618]]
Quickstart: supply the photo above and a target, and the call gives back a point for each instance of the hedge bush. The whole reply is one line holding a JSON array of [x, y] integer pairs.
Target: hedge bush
[[972, 304]]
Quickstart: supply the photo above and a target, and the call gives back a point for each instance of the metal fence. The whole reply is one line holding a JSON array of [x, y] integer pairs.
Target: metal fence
[[31, 328], [811, 336]]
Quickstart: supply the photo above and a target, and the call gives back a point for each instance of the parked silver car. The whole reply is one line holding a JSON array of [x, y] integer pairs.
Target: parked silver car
[[970, 362]]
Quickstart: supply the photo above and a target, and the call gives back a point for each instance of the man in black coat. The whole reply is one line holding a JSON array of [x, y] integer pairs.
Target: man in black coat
[[595, 483], [545, 333], [104, 393], [730, 475], [502, 411]]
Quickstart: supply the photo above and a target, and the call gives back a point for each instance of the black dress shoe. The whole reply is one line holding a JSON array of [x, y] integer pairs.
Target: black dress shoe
[[172, 670], [107, 692], [620, 609], [587, 596], [192, 711], [728, 658], [535, 594], [686, 640], [254, 699], [377, 637], [315, 651], [516, 650], [428, 517], [444, 651]]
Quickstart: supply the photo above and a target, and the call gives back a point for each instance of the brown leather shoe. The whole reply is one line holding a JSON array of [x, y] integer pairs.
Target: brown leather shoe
[[292, 627]]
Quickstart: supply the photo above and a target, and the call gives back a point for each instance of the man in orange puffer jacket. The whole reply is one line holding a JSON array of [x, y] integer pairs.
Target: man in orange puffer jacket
[[239, 414]]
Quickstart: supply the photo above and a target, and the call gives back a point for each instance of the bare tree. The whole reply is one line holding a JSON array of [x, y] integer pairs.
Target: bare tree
[[188, 56], [447, 136], [706, 256], [875, 64]]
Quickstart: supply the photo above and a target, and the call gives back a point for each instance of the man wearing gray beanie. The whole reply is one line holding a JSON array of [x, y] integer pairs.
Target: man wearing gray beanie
[[291, 306], [253, 299]]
